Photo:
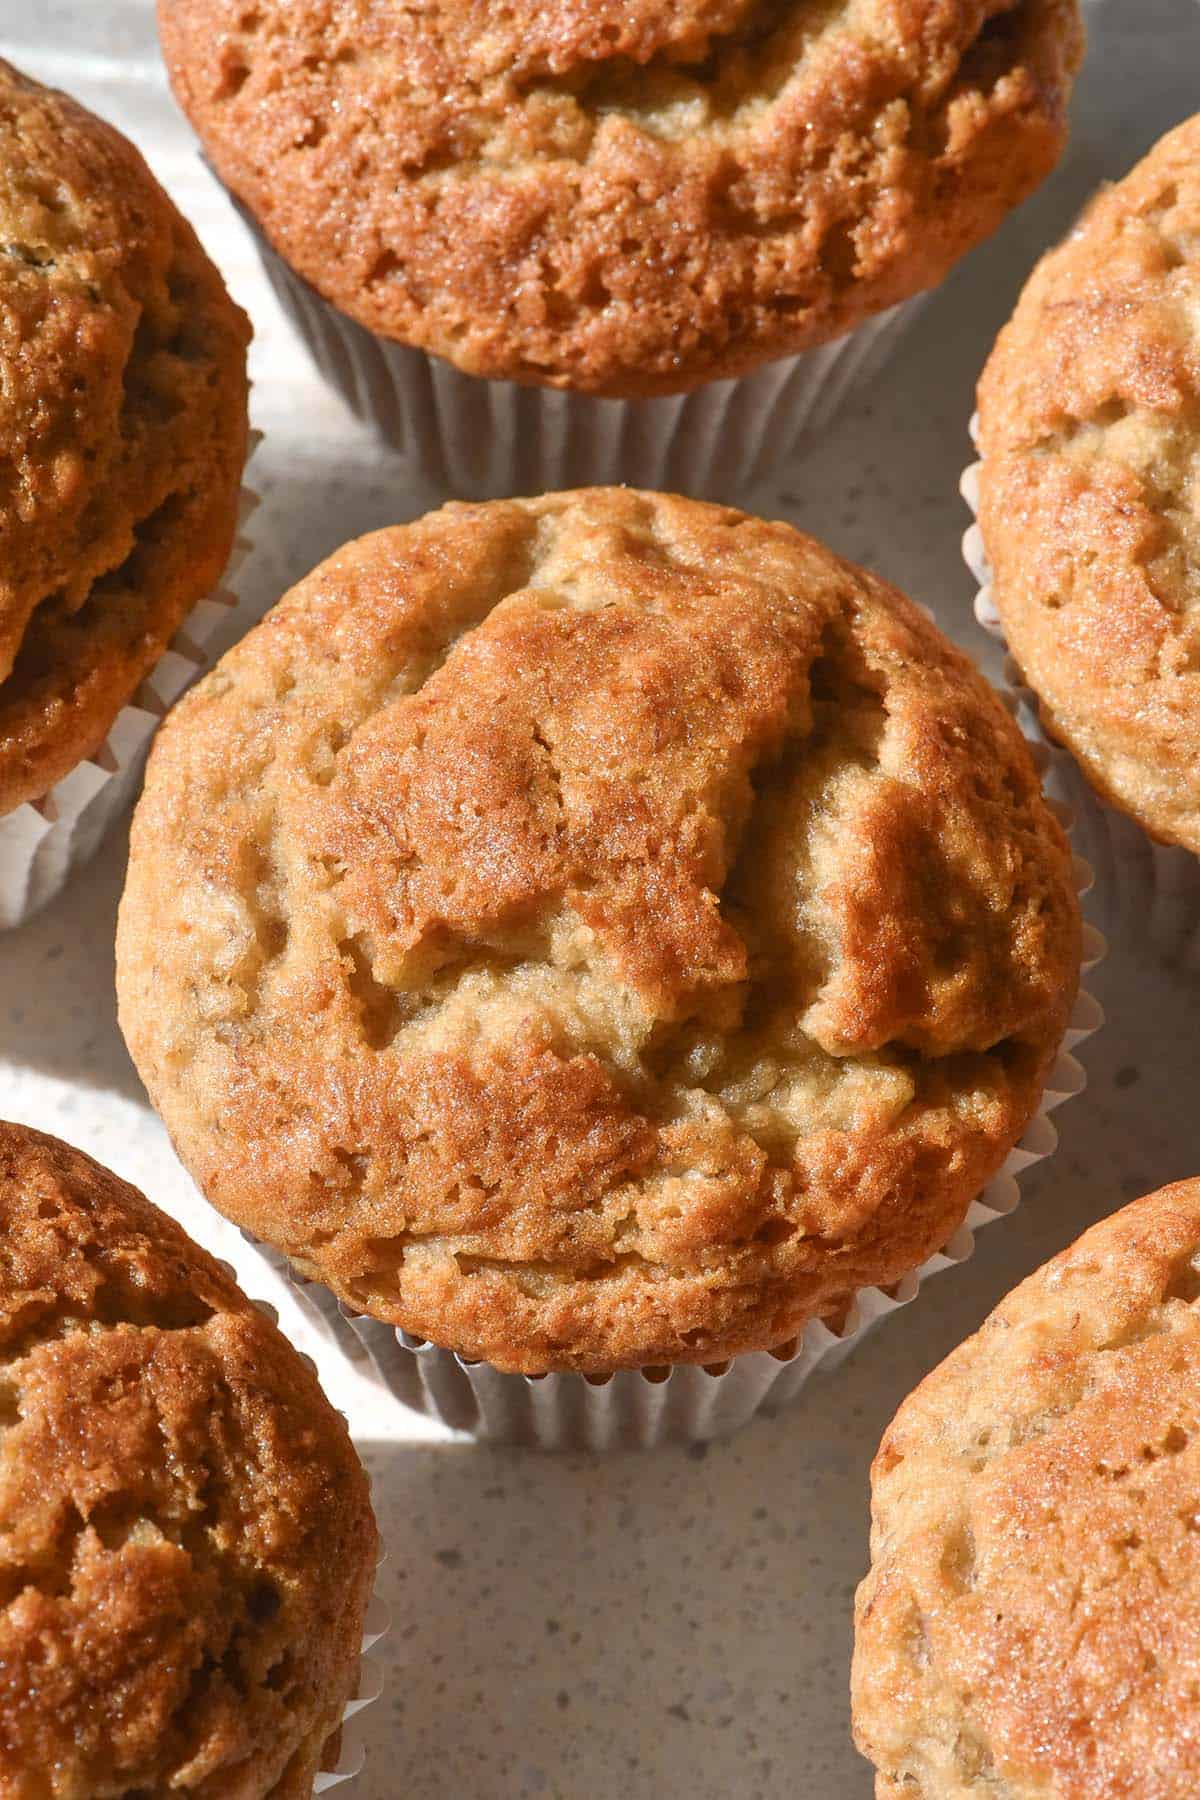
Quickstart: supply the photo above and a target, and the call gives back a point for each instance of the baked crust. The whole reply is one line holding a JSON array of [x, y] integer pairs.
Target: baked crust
[[1088, 498], [186, 1538], [123, 424], [595, 931], [624, 198], [1030, 1627]]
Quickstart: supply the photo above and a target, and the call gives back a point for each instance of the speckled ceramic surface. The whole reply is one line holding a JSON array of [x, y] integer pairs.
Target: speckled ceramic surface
[[631, 1627]]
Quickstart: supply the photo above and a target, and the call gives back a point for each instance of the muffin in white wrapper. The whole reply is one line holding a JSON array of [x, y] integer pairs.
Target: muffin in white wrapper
[[646, 244], [483, 440], [1145, 890], [43, 842], [346, 1754], [555, 1154]]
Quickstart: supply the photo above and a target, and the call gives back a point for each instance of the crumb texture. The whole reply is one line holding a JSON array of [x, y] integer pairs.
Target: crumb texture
[[1090, 489], [1030, 1627], [624, 198], [186, 1539], [123, 425], [597, 930]]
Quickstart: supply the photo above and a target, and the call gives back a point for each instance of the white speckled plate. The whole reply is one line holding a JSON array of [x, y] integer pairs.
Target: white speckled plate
[[631, 1627]]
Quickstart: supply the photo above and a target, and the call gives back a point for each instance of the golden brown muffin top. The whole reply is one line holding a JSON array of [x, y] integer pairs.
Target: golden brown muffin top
[[122, 429], [624, 198], [186, 1539], [595, 931], [1090, 489], [1030, 1628]]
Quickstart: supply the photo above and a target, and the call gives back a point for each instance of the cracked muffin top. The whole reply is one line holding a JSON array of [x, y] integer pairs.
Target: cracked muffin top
[[122, 430], [1030, 1628], [624, 196], [186, 1539], [1090, 489], [595, 931]]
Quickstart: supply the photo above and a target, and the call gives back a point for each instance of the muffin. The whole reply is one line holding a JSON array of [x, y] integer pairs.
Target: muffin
[[1087, 506], [1031, 1623], [596, 932], [187, 1542], [123, 427], [620, 201]]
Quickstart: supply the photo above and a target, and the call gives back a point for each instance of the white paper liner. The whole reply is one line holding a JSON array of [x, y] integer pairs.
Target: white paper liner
[[1149, 892], [376, 1624], [43, 842], [484, 440]]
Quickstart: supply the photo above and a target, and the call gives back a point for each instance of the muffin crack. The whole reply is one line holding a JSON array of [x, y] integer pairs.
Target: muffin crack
[[683, 86], [112, 1306]]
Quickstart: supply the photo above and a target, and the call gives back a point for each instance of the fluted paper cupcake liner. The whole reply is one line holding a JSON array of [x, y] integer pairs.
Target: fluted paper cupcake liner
[[43, 842], [480, 439], [1145, 890], [345, 1751]]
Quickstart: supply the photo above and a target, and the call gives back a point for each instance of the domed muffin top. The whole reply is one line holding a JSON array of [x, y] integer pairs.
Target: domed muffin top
[[186, 1539], [122, 428], [1089, 412], [1031, 1622], [624, 198], [597, 930]]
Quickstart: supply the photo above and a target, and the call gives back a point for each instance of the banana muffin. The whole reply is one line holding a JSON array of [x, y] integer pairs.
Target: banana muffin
[[123, 427], [186, 1537], [595, 931], [1030, 1627], [624, 199], [1089, 435], [674, 238]]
